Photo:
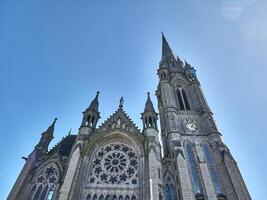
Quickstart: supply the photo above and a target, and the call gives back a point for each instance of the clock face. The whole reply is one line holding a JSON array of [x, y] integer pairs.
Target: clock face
[[191, 127]]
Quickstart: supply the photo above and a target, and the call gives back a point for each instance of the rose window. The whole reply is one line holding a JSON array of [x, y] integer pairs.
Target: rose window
[[114, 164]]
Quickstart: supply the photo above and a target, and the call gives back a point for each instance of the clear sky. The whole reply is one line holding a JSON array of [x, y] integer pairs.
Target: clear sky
[[55, 55]]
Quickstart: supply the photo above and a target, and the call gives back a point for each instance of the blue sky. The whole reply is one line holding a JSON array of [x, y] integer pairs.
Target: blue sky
[[55, 55]]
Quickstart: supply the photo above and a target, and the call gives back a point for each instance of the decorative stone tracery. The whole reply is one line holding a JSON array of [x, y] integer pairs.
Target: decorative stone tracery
[[115, 163]]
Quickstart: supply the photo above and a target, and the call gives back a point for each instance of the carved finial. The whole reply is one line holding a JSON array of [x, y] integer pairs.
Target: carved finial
[[121, 102]]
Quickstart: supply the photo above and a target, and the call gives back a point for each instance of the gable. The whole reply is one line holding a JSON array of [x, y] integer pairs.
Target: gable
[[119, 120]]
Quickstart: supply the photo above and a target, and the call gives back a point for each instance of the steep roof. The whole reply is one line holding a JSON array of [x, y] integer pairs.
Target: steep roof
[[63, 148], [149, 105]]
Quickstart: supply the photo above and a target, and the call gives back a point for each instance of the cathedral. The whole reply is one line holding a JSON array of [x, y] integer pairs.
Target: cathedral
[[182, 159]]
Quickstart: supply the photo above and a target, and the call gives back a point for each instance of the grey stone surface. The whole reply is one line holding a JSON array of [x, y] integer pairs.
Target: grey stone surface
[[118, 161]]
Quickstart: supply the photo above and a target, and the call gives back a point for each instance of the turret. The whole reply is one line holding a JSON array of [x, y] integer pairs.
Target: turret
[[190, 72], [149, 116], [150, 129], [90, 117]]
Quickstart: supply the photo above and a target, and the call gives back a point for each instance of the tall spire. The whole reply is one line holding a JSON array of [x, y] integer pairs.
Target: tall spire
[[166, 50]]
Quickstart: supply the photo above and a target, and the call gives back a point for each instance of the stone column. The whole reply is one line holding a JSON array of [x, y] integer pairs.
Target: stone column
[[65, 189]]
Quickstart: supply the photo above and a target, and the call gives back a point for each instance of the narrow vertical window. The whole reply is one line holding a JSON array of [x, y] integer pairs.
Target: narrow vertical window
[[160, 196], [167, 191], [43, 197], [37, 193], [212, 171], [114, 197], [185, 100], [127, 198], [89, 197], [32, 192], [172, 193], [95, 197], [181, 104], [51, 193], [193, 168]]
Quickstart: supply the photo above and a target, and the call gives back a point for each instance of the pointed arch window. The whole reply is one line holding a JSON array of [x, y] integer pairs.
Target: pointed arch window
[[32, 192], [193, 169], [182, 99], [44, 193], [89, 197], [95, 197], [212, 169], [172, 193], [36, 195], [167, 192], [127, 198], [50, 194], [187, 107]]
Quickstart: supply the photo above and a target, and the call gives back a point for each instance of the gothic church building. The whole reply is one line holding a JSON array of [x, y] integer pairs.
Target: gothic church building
[[117, 161]]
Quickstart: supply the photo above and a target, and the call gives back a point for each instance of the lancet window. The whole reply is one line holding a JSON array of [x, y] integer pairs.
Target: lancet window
[[182, 99], [169, 188], [212, 170], [196, 181]]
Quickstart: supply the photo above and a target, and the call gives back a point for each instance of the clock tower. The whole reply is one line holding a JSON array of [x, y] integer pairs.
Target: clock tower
[[190, 137]]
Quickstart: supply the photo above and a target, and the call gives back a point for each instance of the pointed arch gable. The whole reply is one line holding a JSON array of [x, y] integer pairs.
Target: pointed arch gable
[[98, 156], [103, 137]]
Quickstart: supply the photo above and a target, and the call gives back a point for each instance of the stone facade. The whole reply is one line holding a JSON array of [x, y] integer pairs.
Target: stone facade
[[183, 160]]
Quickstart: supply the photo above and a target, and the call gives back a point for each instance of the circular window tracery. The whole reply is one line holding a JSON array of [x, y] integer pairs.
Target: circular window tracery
[[114, 163]]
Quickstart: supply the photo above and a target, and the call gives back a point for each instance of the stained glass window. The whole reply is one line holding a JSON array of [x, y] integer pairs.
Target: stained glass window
[[172, 193], [193, 168], [37, 193], [212, 171], [167, 191], [115, 164]]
